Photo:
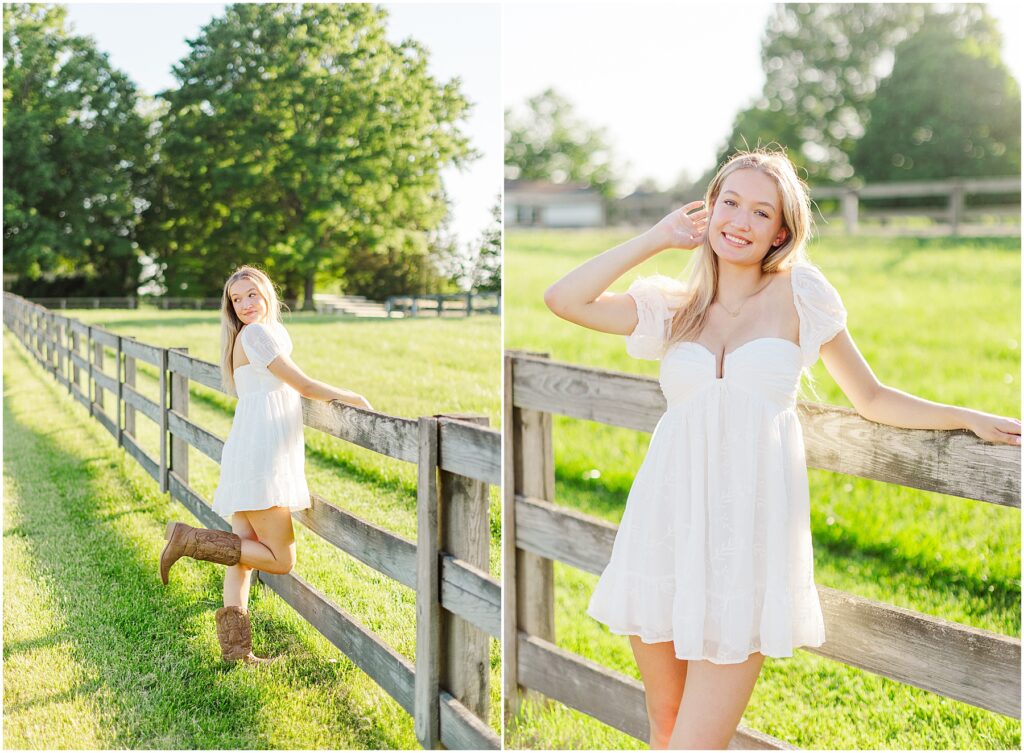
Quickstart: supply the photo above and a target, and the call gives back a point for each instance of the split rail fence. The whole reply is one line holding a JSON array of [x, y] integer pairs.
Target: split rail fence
[[975, 666], [457, 602], [454, 304]]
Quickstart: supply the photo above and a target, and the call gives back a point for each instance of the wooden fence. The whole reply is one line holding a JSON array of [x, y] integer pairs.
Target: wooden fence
[[164, 303], [955, 218], [457, 602], [873, 208], [970, 665], [455, 304]]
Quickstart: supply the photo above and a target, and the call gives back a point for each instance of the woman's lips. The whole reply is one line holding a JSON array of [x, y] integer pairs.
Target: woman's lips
[[735, 240]]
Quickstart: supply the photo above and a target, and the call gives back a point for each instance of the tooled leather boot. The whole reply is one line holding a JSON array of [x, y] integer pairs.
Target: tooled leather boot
[[212, 545], [235, 635]]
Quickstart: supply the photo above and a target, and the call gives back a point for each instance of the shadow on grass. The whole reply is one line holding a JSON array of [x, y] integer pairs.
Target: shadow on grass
[[164, 688]]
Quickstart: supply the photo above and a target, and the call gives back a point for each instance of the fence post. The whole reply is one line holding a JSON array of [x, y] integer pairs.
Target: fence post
[[48, 340], [97, 365], [129, 410], [426, 706], [163, 420], [179, 404], [509, 623], [119, 397], [65, 357], [465, 533], [440, 305], [850, 209], [956, 208], [415, 307], [469, 303], [533, 475], [75, 372]]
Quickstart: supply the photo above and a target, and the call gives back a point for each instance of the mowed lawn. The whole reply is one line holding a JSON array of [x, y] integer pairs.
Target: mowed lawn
[[98, 654], [937, 318]]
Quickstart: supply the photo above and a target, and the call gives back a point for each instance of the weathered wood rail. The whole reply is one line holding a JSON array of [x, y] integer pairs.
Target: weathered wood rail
[[457, 602], [970, 665]]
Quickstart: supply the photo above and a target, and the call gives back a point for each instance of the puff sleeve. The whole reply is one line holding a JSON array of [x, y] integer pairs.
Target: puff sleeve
[[260, 345], [821, 311], [656, 298]]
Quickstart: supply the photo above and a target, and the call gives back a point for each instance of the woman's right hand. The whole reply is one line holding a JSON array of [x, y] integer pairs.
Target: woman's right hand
[[684, 228]]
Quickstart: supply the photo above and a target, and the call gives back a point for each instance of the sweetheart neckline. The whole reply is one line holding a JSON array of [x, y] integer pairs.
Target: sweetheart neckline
[[714, 355]]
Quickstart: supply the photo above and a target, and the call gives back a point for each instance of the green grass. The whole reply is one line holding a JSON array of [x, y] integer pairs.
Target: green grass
[[98, 654], [938, 318]]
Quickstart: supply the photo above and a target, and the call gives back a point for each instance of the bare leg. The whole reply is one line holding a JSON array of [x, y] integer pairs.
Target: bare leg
[[664, 677], [237, 577], [713, 703], [274, 549]]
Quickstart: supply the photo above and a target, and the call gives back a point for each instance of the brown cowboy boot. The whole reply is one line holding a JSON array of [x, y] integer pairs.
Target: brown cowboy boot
[[207, 544], [235, 635]]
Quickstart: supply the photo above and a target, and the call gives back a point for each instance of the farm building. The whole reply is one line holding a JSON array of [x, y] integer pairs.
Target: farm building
[[543, 204]]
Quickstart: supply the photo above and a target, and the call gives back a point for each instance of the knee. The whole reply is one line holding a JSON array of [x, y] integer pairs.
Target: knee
[[662, 717], [284, 562]]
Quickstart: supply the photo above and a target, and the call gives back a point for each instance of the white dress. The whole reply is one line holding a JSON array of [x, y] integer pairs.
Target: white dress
[[264, 458], [714, 549]]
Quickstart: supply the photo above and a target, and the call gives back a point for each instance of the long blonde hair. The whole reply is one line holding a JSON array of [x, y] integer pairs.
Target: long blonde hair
[[231, 325], [701, 284]]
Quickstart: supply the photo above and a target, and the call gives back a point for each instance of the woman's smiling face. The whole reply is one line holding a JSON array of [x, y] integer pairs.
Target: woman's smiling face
[[746, 220], [247, 300]]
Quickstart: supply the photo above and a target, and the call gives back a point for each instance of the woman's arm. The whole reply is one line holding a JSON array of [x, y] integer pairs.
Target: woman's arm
[[580, 297], [886, 405], [288, 372]]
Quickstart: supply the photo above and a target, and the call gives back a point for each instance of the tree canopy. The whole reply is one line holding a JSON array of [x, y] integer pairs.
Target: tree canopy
[[949, 108], [548, 141], [823, 63], [75, 156], [300, 137]]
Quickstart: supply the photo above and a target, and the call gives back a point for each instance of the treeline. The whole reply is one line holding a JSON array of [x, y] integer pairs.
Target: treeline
[[297, 137], [871, 92]]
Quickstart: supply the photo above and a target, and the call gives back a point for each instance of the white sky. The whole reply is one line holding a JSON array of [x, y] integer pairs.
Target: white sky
[[145, 39], [666, 81]]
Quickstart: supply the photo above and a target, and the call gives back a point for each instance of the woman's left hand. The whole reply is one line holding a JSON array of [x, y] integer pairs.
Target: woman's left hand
[[992, 428]]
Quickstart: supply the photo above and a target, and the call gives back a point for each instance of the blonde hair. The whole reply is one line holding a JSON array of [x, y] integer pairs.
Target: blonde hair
[[231, 325], [700, 286]]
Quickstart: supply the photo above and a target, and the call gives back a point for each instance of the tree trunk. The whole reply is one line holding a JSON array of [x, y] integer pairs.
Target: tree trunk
[[307, 303]]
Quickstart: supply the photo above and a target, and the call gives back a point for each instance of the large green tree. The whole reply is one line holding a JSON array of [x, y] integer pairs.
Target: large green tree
[[301, 138], [949, 108], [75, 153], [546, 140], [822, 64]]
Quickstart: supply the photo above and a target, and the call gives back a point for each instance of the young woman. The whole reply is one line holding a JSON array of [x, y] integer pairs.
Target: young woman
[[262, 475], [712, 568]]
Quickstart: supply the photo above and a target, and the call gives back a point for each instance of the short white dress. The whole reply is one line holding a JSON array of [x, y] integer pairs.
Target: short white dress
[[264, 458], [714, 549]]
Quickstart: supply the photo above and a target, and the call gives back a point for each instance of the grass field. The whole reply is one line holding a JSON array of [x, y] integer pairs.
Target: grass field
[[99, 654], [937, 318]]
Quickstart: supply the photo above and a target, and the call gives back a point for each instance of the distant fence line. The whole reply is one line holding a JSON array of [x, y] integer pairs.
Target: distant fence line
[[858, 213], [974, 666], [459, 304], [453, 304], [953, 218], [458, 457]]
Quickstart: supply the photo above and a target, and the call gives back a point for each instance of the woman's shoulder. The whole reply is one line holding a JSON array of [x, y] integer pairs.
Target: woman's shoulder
[[670, 291]]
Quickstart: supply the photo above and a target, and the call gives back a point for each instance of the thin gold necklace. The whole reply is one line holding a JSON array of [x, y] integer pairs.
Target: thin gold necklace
[[745, 299]]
